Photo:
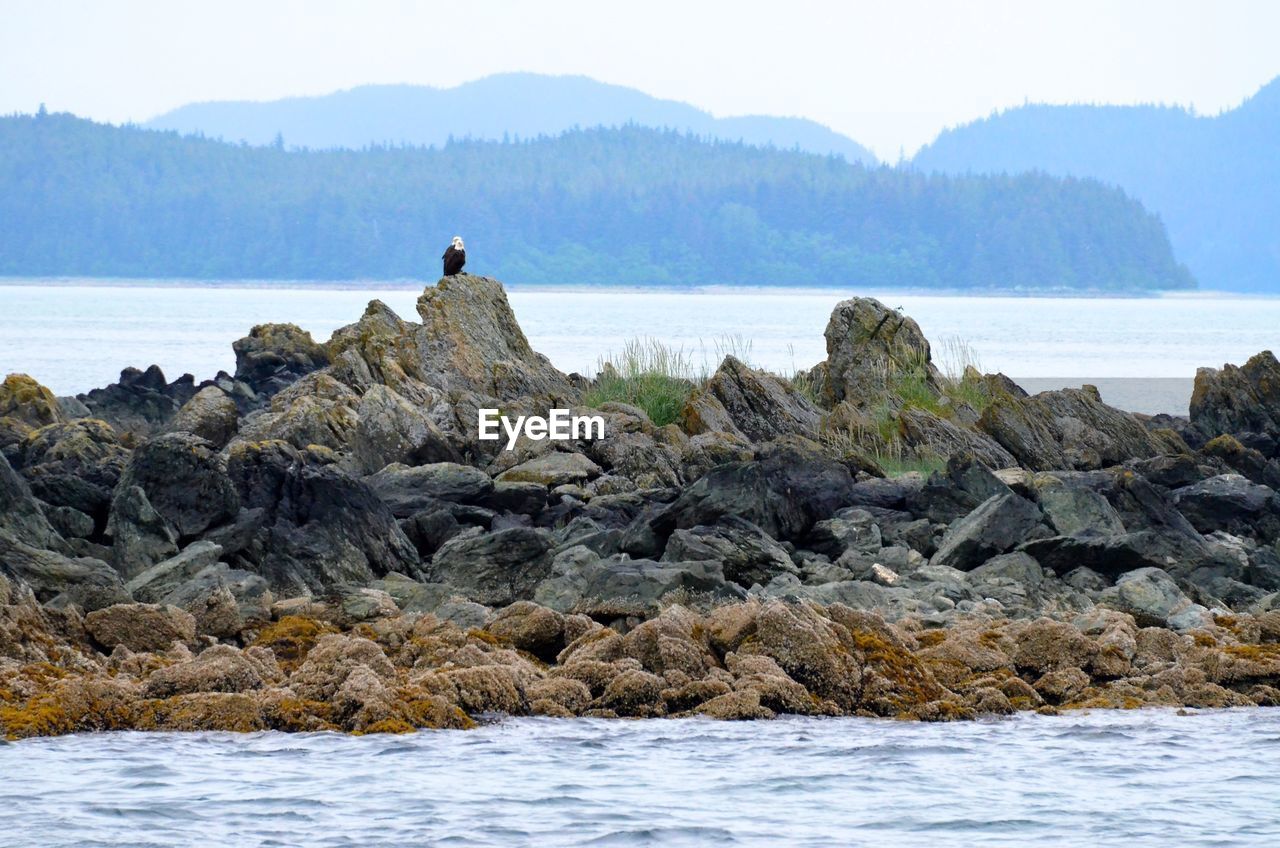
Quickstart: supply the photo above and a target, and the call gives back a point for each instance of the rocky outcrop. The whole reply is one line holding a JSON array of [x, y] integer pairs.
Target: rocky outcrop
[[141, 403], [274, 356], [753, 404], [868, 344], [1238, 399]]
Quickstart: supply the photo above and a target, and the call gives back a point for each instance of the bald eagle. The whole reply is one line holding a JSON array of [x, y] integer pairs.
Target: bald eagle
[[454, 257]]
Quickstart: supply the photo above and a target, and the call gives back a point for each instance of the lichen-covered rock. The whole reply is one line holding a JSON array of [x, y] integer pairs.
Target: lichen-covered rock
[[184, 480], [495, 568], [140, 627], [211, 414], [530, 627], [273, 356], [74, 464], [866, 344], [1243, 399], [757, 405], [391, 429], [551, 469]]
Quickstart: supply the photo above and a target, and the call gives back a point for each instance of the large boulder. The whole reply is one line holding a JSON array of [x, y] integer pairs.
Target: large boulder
[[1243, 399], [211, 414], [316, 410], [924, 431], [553, 468], [140, 627], [1153, 598], [746, 554], [617, 586], [25, 405], [75, 464], [140, 536], [470, 340], [996, 526], [273, 356], [1232, 504], [391, 429], [1070, 428], [868, 344], [758, 405], [784, 494], [60, 580], [494, 568], [411, 490], [20, 514], [184, 479], [316, 527]]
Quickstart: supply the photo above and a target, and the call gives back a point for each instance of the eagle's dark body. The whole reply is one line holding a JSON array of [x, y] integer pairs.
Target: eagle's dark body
[[454, 259]]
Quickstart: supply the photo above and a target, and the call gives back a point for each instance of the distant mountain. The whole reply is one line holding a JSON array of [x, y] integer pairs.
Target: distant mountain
[[1215, 181], [603, 206], [492, 108]]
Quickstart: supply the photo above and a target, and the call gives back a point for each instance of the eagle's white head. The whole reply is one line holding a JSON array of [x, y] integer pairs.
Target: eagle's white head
[[457, 242]]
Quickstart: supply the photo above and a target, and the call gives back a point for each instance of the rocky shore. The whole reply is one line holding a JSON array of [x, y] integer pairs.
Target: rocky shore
[[323, 541]]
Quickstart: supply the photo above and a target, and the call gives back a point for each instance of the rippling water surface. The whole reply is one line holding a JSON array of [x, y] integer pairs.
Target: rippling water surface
[[1149, 777]]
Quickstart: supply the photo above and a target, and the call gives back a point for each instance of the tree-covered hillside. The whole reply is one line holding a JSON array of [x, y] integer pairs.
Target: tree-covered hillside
[[630, 205], [1215, 181]]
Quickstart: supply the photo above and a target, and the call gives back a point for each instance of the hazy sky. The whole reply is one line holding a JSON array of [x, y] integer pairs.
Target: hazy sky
[[889, 74]]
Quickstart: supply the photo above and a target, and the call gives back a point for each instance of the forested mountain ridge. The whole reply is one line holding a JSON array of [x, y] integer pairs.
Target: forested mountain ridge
[[493, 108], [622, 206], [1215, 181]]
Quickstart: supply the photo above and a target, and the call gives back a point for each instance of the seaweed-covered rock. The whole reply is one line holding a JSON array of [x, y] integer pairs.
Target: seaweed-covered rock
[[140, 627]]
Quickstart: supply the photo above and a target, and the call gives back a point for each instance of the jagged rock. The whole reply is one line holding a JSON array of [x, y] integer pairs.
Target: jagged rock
[[273, 356], [59, 580], [1070, 428], [783, 494], [638, 457], [211, 414], [923, 430], [1073, 511], [20, 514], [497, 568], [851, 529], [411, 490], [392, 430], [69, 522], [141, 537], [141, 403], [552, 469], [470, 340], [866, 344], [1237, 400], [151, 585], [140, 627], [517, 498], [1232, 504], [746, 554], [76, 464], [316, 410], [997, 525], [184, 480], [757, 404], [710, 450], [319, 527]]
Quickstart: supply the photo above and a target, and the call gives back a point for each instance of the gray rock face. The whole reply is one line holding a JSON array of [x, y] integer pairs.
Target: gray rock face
[[211, 414], [850, 530], [1075, 511], [1069, 428], [922, 429], [141, 403], [319, 528], [997, 525], [759, 406], [866, 342], [59, 580], [783, 494], [74, 464], [141, 537], [583, 582], [153, 584], [392, 430], [223, 600], [1232, 504], [1153, 598], [470, 340], [1244, 399], [273, 356], [184, 481], [496, 568], [20, 514], [411, 490], [747, 554]]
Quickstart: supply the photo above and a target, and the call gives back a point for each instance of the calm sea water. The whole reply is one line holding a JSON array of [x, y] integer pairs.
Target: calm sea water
[[1142, 778], [1143, 351]]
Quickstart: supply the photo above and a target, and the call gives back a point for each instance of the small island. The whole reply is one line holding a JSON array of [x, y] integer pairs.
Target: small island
[[322, 540]]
